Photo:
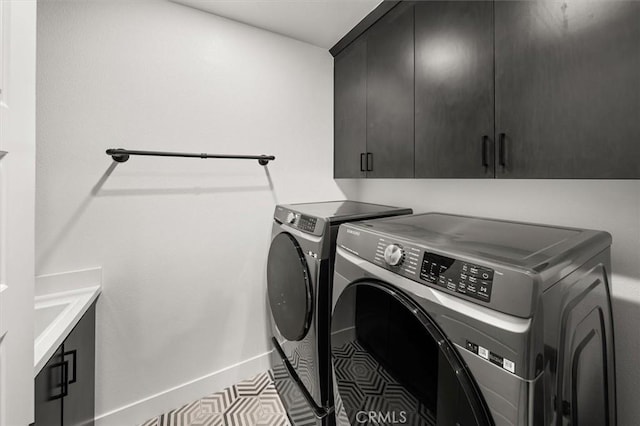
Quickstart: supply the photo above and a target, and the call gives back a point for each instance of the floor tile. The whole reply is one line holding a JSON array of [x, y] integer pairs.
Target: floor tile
[[253, 402], [152, 422], [208, 420], [243, 412], [219, 402]]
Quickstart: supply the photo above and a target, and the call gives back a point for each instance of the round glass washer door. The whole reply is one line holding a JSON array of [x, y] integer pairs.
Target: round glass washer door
[[289, 287], [393, 365]]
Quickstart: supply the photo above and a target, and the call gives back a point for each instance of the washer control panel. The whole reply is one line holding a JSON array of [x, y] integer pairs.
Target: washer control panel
[[474, 276], [457, 276], [434, 269]]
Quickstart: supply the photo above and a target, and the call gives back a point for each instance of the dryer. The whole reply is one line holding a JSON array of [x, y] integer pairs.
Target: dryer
[[451, 320], [299, 277]]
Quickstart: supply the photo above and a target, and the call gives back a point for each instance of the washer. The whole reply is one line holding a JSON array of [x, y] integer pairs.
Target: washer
[[299, 271], [451, 320]]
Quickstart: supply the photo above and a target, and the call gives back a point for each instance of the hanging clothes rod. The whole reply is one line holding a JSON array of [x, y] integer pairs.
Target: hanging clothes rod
[[121, 155]]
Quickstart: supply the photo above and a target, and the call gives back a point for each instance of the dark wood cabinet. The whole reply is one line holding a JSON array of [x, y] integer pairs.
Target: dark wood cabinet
[[390, 95], [568, 89], [454, 92], [373, 100], [65, 388], [79, 351], [350, 111], [479, 89], [49, 391]]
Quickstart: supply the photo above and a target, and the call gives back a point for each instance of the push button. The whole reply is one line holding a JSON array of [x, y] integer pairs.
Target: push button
[[484, 290], [471, 289], [485, 274]]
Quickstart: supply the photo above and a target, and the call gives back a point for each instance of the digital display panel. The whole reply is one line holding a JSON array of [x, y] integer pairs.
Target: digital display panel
[[433, 265], [307, 223]]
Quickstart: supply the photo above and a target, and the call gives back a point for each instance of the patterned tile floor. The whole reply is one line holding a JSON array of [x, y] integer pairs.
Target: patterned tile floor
[[364, 385], [253, 402]]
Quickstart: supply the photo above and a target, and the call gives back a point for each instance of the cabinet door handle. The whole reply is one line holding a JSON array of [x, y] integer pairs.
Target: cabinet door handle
[[485, 155], [501, 150], [369, 162], [64, 385], [74, 370], [362, 166]]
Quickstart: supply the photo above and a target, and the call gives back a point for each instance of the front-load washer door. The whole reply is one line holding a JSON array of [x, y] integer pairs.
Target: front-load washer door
[[289, 287], [393, 365]]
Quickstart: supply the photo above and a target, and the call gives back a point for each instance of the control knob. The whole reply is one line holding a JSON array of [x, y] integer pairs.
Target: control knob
[[393, 255], [291, 217]]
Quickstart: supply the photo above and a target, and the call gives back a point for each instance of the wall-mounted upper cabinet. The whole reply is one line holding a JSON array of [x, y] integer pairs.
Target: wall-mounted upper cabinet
[[350, 111], [390, 101], [568, 88], [373, 101], [454, 89], [477, 89]]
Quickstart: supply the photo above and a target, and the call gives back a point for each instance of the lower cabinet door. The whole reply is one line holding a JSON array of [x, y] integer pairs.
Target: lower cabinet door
[[79, 353], [49, 391]]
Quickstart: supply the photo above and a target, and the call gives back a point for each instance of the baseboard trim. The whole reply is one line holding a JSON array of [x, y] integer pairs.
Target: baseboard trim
[[162, 402]]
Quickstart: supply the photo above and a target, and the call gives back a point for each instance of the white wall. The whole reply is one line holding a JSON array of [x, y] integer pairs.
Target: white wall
[[17, 198], [182, 242], [613, 206]]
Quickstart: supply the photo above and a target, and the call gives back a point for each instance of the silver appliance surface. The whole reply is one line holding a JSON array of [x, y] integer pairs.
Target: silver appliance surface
[[521, 244], [446, 319], [299, 283], [343, 211]]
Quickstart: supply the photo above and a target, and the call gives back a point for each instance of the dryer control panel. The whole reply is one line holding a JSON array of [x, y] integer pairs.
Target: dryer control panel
[[299, 221]]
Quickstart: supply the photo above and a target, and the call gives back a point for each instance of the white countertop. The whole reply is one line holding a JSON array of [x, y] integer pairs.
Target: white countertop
[[56, 314]]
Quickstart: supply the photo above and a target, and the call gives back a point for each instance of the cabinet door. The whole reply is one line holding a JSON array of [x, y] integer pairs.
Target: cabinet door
[[567, 89], [49, 391], [454, 89], [390, 95], [350, 111], [79, 352]]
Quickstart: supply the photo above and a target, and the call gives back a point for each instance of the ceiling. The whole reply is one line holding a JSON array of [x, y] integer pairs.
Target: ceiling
[[319, 22]]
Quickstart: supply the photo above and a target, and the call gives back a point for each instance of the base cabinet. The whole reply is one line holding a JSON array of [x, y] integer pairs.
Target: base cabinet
[[65, 388], [49, 391]]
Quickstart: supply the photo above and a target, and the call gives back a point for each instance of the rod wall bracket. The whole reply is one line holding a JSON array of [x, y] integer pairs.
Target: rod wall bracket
[[118, 157]]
